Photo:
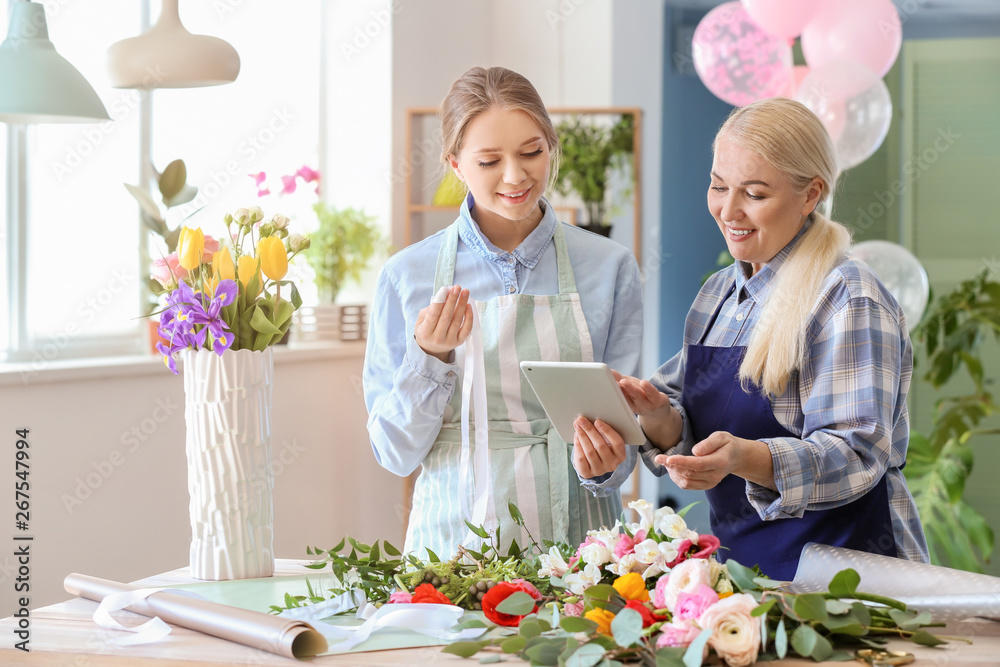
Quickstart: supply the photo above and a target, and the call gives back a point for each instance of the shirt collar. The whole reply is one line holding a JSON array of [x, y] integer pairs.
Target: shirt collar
[[758, 284], [530, 250]]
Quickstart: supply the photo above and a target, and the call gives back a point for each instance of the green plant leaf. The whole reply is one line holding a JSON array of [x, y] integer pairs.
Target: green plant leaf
[[781, 640], [172, 180], [389, 549], [763, 607], [766, 584], [528, 627], [743, 577], [687, 508], [478, 530], [490, 659], [670, 656], [804, 640], [513, 645], [515, 513], [837, 607], [587, 655], [517, 604], [147, 204], [626, 627], [260, 323], [692, 656], [925, 638], [545, 653], [577, 624], [465, 649], [845, 583]]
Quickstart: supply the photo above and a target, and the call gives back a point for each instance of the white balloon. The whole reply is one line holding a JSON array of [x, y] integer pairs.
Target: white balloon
[[902, 274]]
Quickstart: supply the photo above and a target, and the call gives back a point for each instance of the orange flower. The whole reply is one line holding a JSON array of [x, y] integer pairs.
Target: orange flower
[[603, 618], [632, 587], [425, 593]]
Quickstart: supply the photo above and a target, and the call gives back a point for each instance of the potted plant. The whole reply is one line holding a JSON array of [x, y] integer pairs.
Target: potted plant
[[591, 154], [340, 249]]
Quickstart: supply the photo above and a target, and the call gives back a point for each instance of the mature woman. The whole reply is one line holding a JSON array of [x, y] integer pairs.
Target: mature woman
[[543, 290], [787, 403]]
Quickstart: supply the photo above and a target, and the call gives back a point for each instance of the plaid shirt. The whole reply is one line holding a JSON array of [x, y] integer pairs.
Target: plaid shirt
[[847, 404]]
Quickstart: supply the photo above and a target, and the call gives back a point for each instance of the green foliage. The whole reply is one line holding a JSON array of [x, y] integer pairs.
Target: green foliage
[[591, 153], [341, 247], [939, 464]]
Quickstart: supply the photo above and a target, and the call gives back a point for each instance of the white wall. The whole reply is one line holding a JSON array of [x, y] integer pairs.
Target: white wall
[[109, 479]]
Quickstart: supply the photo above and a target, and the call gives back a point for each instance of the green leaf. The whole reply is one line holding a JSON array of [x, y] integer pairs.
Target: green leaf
[[810, 606], [781, 640], [766, 583], [822, 650], [515, 513], [670, 656], [469, 621], [586, 656], [743, 577], [528, 627], [465, 649], [478, 530], [845, 624], [577, 624], [837, 607], [692, 656], [925, 638], [804, 640], [431, 556], [391, 550], [490, 659], [687, 508], [146, 202], [517, 604], [763, 607], [172, 180], [513, 645], [545, 653], [845, 583], [626, 627], [261, 324]]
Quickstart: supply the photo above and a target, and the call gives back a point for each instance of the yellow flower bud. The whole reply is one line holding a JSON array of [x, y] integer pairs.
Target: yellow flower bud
[[632, 587], [222, 265], [247, 268], [273, 257], [603, 618], [190, 247]]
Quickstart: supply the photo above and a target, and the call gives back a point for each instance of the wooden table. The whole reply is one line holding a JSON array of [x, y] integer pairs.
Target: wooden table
[[65, 635]]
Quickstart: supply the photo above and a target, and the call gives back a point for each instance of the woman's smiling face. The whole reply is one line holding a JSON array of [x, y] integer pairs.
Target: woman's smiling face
[[755, 205], [504, 159]]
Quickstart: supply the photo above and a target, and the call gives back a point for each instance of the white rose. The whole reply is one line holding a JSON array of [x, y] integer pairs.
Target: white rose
[[596, 553], [297, 242], [255, 213], [735, 634], [645, 511], [279, 221], [686, 577], [553, 564], [716, 570], [671, 525]]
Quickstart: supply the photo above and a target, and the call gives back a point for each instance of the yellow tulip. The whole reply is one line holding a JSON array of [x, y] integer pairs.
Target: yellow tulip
[[273, 257], [247, 268], [603, 618], [632, 587], [222, 265], [190, 247]]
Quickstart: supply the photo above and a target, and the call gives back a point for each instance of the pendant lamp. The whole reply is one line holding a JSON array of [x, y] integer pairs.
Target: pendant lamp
[[37, 85], [168, 56]]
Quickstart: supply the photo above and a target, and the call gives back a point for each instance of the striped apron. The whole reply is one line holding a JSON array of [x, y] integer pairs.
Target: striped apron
[[516, 456]]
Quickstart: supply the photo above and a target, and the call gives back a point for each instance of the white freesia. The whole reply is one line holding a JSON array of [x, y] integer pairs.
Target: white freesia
[[655, 555], [645, 510], [607, 536], [715, 571], [671, 525], [735, 634], [596, 553], [578, 582], [622, 566], [724, 586], [553, 564]]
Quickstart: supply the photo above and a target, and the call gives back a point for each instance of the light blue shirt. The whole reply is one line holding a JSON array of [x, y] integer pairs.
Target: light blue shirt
[[407, 391]]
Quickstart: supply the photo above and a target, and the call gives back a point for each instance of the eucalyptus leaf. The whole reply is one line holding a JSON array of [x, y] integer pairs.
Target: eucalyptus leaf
[[464, 649], [513, 645], [670, 657], [743, 577], [925, 638], [490, 659], [528, 627], [845, 583], [810, 606], [766, 583], [517, 604], [626, 627], [545, 653], [577, 624], [781, 640], [763, 607], [837, 607], [692, 656], [587, 655], [804, 640]]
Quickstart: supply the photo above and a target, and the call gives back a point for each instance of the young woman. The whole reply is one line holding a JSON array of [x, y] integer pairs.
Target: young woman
[[787, 403], [455, 314]]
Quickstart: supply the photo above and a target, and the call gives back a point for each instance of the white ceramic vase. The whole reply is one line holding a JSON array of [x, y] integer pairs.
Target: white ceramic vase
[[227, 411]]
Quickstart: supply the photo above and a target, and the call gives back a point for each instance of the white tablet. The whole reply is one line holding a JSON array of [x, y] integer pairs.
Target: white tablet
[[570, 389]]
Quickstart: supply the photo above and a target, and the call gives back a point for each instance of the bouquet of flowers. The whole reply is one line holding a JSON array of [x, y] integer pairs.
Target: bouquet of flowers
[[219, 300], [650, 591]]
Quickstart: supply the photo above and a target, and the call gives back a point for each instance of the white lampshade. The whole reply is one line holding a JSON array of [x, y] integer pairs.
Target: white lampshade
[[37, 85], [168, 56]]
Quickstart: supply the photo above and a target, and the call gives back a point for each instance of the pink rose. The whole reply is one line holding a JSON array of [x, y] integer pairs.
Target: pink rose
[[211, 247], [528, 588], [626, 544], [735, 634], [677, 634], [400, 597], [167, 271], [692, 605], [573, 609], [686, 577]]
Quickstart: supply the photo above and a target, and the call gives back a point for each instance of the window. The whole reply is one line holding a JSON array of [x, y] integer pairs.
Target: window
[[83, 276]]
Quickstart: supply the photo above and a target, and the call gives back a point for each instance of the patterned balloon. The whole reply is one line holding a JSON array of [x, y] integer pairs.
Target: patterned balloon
[[902, 274], [736, 60]]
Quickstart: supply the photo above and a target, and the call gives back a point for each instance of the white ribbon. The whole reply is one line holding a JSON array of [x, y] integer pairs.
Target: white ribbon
[[474, 384], [152, 630], [432, 620]]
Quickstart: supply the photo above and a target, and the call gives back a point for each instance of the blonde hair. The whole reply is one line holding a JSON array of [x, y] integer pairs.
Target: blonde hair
[[793, 140], [481, 89]]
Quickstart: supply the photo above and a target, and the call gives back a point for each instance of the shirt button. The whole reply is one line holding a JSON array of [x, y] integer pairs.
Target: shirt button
[[451, 374], [510, 260], [739, 317], [511, 289]]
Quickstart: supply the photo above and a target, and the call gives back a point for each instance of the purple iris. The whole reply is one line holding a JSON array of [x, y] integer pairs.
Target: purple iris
[[184, 311], [221, 339]]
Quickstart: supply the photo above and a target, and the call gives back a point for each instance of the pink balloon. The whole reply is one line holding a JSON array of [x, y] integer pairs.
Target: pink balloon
[[799, 73], [783, 18], [736, 60], [866, 31]]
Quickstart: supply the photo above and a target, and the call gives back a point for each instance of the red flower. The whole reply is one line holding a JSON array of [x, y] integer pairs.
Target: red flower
[[427, 594], [501, 592], [707, 545], [648, 617]]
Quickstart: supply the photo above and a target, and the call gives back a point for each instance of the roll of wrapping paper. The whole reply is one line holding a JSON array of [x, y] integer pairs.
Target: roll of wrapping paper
[[287, 637], [947, 594]]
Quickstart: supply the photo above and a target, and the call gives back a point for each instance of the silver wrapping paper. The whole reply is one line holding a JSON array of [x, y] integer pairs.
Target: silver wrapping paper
[[949, 595], [283, 636]]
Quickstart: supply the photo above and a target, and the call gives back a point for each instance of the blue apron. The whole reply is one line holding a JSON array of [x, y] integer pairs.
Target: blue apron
[[715, 401]]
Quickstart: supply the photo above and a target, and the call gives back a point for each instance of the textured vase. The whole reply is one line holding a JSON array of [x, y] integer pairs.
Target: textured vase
[[227, 412]]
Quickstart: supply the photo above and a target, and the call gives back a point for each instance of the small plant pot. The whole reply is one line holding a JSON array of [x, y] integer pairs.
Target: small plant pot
[[603, 230]]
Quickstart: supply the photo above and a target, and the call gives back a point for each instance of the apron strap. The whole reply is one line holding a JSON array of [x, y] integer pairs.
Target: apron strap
[[567, 281], [715, 315], [444, 271]]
